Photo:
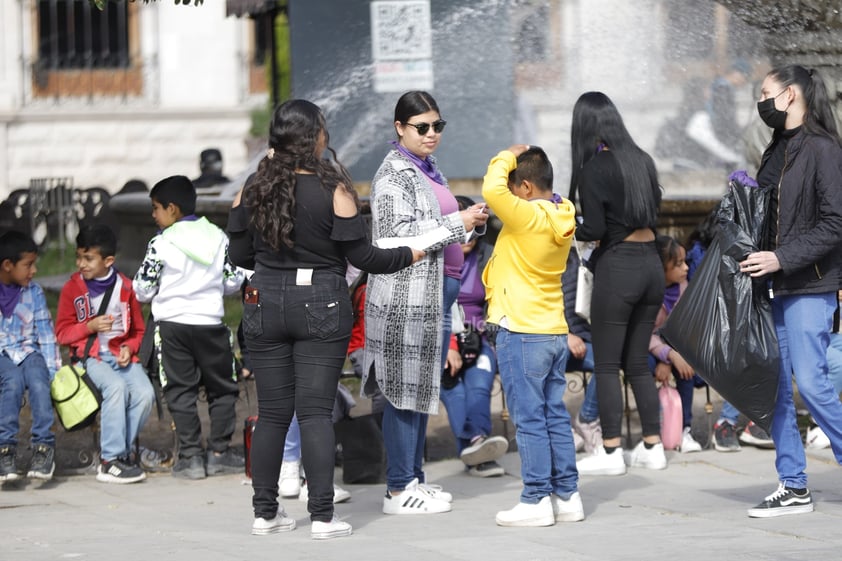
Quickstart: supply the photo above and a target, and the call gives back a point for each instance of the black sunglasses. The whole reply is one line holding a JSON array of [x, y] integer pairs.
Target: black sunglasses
[[423, 128]]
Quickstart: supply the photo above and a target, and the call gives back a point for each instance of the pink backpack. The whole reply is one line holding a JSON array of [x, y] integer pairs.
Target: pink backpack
[[671, 418]]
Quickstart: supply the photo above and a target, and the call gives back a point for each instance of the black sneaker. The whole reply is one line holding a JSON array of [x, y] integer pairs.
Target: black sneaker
[[782, 502], [227, 462], [190, 468], [756, 436], [119, 471], [8, 469], [487, 469], [43, 462], [725, 437]]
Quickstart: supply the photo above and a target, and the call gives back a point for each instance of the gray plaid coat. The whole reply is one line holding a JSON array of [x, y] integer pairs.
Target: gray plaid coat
[[403, 310]]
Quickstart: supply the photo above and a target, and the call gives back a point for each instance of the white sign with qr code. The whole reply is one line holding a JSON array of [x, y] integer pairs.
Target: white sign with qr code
[[401, 45], [400, 30]]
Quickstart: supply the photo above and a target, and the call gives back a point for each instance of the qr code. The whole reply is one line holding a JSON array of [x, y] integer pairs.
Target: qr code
[[401, 30]]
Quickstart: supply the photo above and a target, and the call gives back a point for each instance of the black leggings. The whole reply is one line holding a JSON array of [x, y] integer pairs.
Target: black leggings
[[628, 291]]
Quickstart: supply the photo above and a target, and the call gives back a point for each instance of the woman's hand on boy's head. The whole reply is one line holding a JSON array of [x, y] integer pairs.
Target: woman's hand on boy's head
[[518, 149]]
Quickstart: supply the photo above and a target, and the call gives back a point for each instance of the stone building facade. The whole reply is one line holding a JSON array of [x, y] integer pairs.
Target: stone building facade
[[136, 91]]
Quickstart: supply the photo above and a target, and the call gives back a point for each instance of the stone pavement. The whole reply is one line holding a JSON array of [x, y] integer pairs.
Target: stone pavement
[[693, 510]]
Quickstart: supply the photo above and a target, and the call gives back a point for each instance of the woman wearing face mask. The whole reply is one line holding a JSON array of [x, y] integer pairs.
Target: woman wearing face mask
[[803, 167]]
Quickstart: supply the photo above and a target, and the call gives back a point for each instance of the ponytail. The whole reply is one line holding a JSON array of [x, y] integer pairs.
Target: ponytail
[[819, 117]]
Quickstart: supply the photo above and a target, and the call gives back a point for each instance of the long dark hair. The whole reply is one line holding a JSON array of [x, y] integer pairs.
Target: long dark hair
[[596, 121], [819, 118], [293, 137]]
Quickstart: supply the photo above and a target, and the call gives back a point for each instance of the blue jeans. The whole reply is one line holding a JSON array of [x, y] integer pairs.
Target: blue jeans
[[405, 431], [532, 370], [589, 411], [834, 361], [729, 413], [127, 399], [803, 325], [292, 445], [468, 403], [31, 374]]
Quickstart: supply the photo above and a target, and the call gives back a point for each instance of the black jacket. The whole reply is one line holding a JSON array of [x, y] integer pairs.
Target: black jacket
[[809, 217]]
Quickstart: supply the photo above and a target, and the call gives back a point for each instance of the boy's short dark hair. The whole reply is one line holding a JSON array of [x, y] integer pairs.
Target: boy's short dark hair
[[97, 236], [533, 166], [177, 190], [14, 244]]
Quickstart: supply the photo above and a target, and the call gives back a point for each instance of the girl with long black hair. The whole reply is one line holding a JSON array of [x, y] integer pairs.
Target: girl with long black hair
[[618, 190]]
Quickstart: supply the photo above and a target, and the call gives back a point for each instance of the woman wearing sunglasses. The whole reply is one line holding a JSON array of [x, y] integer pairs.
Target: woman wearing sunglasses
[[407, 313]]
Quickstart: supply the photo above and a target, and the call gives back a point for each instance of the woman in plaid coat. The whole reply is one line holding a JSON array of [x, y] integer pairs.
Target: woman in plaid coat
[[405, 311]]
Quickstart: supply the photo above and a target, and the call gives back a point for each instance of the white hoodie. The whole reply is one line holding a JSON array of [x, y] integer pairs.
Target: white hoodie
[[186, 272]]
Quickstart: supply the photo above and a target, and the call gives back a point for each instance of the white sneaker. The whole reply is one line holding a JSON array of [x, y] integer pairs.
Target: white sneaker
[[816, 439], [280, 523], [591, 433], [289, 483], [578, 441], [326, 530], [602, 463], [340, 495], [688, 443], [436, 492], [484, 449], [527, 515], [649, 458], [570, 510], [414, 499]]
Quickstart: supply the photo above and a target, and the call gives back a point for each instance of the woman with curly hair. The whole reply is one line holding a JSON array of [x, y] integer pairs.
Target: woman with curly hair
[[295, 223]]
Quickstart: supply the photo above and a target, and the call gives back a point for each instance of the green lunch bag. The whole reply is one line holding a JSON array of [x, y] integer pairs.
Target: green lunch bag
[[75, 397]]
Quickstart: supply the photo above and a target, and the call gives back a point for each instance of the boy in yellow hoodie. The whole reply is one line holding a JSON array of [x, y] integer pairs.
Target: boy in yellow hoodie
[[523, 289]]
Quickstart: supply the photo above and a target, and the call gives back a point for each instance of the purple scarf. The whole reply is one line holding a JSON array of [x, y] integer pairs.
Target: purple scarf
[[425, 165], [556, 198], [98, 286], [671, 295], [9, 298]]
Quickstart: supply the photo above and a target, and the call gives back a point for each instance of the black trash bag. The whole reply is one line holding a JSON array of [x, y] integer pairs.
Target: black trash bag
[[723, 325]]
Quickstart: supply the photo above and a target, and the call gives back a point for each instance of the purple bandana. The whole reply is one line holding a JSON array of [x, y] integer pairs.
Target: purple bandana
[[9, 297], [98, 286], [425, 165], [671, 295]]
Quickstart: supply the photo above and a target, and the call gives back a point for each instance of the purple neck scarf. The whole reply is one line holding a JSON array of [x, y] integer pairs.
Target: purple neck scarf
[[671, 295], [9, 298], [98, 286], [556, 198], [425, 165]]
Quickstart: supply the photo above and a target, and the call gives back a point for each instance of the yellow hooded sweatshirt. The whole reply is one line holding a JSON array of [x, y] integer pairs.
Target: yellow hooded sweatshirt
[[523, 277]]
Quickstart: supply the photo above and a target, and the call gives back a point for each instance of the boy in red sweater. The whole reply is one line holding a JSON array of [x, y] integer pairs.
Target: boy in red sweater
[[100, 318]]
